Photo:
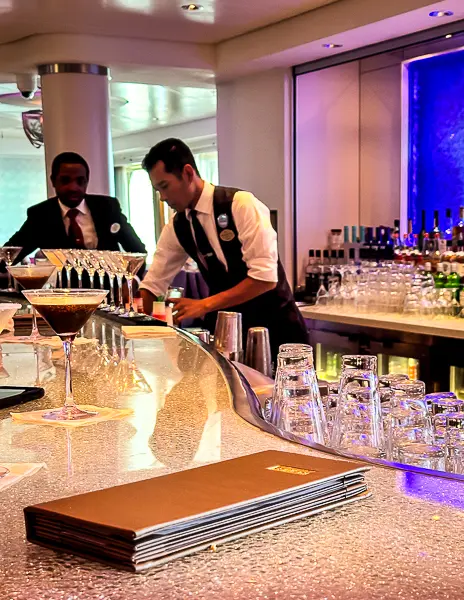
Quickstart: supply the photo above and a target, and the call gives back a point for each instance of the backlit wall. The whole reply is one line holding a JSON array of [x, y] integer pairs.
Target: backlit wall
[[436, 137]]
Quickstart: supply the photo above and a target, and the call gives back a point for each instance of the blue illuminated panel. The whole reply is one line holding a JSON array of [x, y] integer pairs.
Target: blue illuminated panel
[[436, 137]]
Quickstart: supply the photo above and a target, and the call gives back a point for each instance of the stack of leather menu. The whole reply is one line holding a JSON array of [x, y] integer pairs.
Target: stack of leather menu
[[139, 525]]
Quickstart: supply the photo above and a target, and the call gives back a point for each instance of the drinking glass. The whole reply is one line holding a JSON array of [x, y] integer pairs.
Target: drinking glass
[[305, 352], [87, 263], [97, 259], [454, 441], [118, 271], [409, 424], [32, 277], [426, 456], [74, 258], [8, 254], [131, 263], [357, 425], [66, 311], [412, 388], [392, 378], [442, 404], [295, 406]]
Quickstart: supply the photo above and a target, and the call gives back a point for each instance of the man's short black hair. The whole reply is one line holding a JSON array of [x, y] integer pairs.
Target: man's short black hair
[[68, 158], [174, 153]]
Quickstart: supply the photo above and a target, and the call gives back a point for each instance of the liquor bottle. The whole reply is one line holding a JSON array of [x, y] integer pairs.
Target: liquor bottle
[[309, 273], [448, 233], [440, 277], [438, 242], [423, 230], [458, 229], [396, 235], [454, 280], [346, 234]]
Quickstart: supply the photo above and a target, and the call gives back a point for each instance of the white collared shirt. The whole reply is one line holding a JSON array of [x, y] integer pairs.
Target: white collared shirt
[[85, 221], [255, 232]]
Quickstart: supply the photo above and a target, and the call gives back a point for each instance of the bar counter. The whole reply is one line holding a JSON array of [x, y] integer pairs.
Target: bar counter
[[447, 327], [403, 542]]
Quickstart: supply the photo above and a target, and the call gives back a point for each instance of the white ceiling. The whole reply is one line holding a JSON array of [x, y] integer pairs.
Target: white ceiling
[[149, 19], [134, 107]]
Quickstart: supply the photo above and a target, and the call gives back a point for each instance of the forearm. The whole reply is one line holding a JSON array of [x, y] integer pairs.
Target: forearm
[[147, 298], [242, 292]]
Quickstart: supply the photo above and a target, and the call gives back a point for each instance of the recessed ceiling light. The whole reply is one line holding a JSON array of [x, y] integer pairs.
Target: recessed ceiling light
[[441, 13], [192, 7], [450, 35], [331, 46]]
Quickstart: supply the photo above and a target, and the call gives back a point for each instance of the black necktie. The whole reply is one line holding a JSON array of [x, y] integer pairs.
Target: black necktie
[[204, 247]]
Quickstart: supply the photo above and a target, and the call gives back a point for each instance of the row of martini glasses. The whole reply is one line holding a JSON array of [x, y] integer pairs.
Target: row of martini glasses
[[116, 265]]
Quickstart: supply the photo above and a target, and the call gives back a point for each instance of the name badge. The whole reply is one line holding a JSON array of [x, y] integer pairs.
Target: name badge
[[223, 221], [227, 235]]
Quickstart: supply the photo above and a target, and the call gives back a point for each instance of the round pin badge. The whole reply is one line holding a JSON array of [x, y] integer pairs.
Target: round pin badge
[[223, 221], [115, 227], [227, 235]]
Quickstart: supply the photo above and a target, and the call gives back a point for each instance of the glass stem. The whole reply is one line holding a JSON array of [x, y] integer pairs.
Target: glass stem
[[79, 278], [10, 281], [131, 295], [68, 278], [112, 304], [35, 330], [92, 283], [67, 347], [120, 296], [60, 278], [101, 277]]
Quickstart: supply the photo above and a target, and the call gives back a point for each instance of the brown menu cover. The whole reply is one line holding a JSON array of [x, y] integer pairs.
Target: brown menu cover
[[141, 524]]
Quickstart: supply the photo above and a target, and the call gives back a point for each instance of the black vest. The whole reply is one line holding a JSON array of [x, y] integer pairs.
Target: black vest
[[275, 309]]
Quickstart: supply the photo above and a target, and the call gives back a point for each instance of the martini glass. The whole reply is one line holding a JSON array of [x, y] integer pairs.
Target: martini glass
[[57, 258], [66, 311], [32, 277], [131, 261], [74, 258], [9, 254]]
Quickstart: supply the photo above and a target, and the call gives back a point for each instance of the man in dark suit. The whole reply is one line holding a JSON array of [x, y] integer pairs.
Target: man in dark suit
[[73, 218]]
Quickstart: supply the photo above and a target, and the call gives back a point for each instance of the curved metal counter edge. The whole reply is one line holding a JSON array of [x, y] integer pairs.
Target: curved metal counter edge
[[246, 404]]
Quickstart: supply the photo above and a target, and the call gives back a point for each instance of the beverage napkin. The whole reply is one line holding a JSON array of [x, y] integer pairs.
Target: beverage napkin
[[104, 414], [17, 471], [147, 332]]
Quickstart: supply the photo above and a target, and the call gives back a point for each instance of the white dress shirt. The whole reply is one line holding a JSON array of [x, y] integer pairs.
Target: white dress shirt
[[85, 221], [255, 232]]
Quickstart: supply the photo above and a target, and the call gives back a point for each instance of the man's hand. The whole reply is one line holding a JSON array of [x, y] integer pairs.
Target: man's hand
[[188, 309]]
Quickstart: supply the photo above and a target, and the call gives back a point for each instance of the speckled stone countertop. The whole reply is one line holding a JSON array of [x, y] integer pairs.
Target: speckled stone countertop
[[404, 542]]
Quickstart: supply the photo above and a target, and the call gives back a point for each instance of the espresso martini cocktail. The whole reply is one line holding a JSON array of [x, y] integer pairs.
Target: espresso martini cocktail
[[32, 277], [66, 311]]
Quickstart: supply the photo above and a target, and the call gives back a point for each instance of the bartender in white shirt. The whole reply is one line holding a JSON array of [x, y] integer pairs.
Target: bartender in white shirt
[[229, 234]]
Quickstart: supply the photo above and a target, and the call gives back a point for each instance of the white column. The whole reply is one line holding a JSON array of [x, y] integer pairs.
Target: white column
[[76, 118], [254, 130]]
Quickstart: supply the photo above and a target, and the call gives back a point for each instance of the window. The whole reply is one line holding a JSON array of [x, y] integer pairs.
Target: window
[[142, 208], [145, 212]]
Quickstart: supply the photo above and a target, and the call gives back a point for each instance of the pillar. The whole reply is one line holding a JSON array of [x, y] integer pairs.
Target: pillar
[[76, 118], [254, 132]]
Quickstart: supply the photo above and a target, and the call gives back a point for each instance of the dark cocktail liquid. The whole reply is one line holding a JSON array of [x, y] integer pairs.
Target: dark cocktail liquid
[[66, 319], [34, 282]]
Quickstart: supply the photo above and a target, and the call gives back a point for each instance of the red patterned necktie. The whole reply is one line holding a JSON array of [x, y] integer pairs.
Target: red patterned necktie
[[76, 237]]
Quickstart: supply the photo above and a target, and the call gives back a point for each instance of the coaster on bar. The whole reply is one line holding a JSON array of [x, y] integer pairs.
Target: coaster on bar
[[16, 471], [147, 332], [104, 414]]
